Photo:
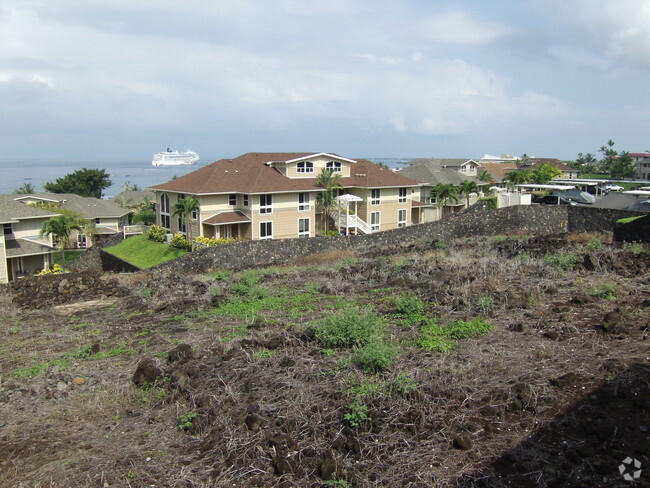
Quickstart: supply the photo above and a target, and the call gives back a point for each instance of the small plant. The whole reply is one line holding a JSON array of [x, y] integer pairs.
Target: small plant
[[357, 413], [375, 356], [337, 484], [328, 352], [409, 305], [264, 353], [442, 339], [633, 247], [460, 329], [156, 233], [352, 327], [432, 341], [606, 291], [31, 371], [186, 419], [562, 260], [485, 304], [404, 384], [146, 292], [524, 257], [595, 244]]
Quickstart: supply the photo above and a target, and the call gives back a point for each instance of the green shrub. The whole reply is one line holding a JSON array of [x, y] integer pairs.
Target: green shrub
[[606, 291], [179, 241], [633, 247], [214, 241], [357, 413], [434, 342], [409, 305], [156, 233], [55, 269], [352, 327], [404, 384], [375, 356], [561, 260], [442, 339], [491, 202], [460, 329]]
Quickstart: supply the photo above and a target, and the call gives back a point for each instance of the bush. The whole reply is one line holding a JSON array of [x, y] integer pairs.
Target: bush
[[491, 202], [179, 241], [441, 339], [409, 305], [353, 327], [214, 241], [55, 269], [561, 260], [375, 356], [156, 233]]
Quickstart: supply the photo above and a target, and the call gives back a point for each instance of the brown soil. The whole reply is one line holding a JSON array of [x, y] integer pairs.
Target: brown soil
[[155, 387]]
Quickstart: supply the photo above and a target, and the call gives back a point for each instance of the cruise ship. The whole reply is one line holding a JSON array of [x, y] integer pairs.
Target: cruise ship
[[174, 158]]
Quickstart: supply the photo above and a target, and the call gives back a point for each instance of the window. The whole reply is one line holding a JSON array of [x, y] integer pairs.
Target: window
[[266, 204], [194, 215], [266, 230], [305, 167], [401, 218], [182, 227], [245, 200], [232, 199], [303, 227], [98, 221], [165, 217], [303, 202], [333, 166], [375, 197], [402, 195], [8, 229], [374, 221]]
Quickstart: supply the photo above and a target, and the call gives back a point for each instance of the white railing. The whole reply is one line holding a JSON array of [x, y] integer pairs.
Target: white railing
[[134, 229]]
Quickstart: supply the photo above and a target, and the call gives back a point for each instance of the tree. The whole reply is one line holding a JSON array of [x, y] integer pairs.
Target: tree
[[585, 163], [329, 181], [25, 189], [623, 166], [184, 208], [517, 177], [467, 187], [609, 155], [544, 173], [85, 182], [145, 212], [61, 228], [485, 176], [443, 192]]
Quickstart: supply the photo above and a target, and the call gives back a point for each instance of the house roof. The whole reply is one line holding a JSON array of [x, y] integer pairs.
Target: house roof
[[221, 218], [126, 198], [434, 171], [25, 247], [12, 210], [498, 170], [87, 207], [556, 163], [249, 174]]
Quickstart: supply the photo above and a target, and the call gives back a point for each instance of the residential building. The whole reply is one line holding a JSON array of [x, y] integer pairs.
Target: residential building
[[104, 218], [273, 196], [642, 165], [568, 172], [22, 250]]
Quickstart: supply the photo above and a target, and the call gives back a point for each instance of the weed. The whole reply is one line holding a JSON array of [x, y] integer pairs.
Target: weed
[[146, 292], [460, 329], [328, 352], [409, 305], [633, 247], [31, 371], [185, 420], [485, 304], [375, 356], [595, 244], [337, 484], [221, 275], [524, 257], [404, 384], [442, 339], [264, 353], [150, 394], [433, 341], [562, 260], [313, 288], [353, 327], [357, 413], [606, 291]]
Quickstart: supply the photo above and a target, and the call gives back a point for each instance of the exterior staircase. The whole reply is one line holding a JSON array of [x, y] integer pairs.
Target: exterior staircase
[[352, 221]]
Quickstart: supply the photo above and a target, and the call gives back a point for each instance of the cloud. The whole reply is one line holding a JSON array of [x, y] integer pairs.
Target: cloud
[[461, 27]]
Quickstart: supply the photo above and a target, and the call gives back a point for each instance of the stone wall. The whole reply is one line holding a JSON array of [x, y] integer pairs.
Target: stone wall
[[523, 220]]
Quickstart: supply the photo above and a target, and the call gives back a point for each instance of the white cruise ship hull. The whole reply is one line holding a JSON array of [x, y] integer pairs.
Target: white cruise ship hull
[[174, 158]]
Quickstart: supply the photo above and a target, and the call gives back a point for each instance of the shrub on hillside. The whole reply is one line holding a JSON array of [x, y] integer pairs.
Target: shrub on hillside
[[156, 233], [352, 327], [179, 241]]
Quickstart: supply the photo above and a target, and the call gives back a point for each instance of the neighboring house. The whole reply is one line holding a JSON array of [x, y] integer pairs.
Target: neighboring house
[[22, 250], [132, 198], [642, 164], [504, 158], [568, 172], [273, 196], [104, 218], [435, 171], [497, 171]]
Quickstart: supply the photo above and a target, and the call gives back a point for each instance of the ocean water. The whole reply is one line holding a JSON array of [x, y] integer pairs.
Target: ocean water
[[14, 174]]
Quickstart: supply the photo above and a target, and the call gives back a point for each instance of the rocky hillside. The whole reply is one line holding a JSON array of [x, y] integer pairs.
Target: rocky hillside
[[487, 362]]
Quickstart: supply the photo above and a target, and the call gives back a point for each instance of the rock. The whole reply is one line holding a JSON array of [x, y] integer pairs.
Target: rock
[[518, 327], [568, 379], [551, 334], [612, 322], [179, 380], [79, 380], [286, 362], [180, 353], [282, 465], [590, 262], [328, 469], [146, 372], [463, 442], [254, 422]]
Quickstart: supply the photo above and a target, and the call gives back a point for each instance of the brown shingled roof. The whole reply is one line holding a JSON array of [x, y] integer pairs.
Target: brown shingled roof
[[249, 174], [236, 217]]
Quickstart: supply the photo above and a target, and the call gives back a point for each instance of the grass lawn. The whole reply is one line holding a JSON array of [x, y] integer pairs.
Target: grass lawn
[[144, 253], [70, 256]]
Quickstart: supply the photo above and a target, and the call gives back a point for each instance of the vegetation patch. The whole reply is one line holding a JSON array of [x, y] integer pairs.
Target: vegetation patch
[[435, 338], [144, 253]]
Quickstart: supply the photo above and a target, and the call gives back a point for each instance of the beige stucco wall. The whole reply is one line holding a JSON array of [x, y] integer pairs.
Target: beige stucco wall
[[320, 163], [29, 229], [4, 278], [388, 207], [284, 215]]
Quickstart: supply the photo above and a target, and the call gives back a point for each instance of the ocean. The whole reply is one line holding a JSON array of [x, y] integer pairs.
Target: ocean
[[135, 172]]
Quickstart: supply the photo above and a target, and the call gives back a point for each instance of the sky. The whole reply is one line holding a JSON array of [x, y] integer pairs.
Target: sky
[[361, 78]]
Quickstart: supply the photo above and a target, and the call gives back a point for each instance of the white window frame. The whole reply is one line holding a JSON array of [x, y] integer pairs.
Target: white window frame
[[305, 167], [303, 202], [333, 166], [266, 207], [402, 195], [375, 221], [302, 232], [263, 225], [401, 221], [375, 196]]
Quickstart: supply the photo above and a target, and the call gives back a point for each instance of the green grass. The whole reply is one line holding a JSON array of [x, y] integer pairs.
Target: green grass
[[69, 257], [435, 338], [627, 220], [144, 253]]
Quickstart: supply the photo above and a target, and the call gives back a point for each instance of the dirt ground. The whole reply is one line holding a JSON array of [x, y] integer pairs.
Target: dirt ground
[[222, 379]]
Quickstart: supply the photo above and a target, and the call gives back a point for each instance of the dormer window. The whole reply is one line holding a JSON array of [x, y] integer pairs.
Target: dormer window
[[333, 166], [305, 167]]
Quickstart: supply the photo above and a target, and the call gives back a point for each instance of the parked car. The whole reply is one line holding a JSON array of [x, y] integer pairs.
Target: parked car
[[553, 200], [611, 187]]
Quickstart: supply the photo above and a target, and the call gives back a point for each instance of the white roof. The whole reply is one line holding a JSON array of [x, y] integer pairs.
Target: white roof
[[640, 193], [348, 198], [547, 187]]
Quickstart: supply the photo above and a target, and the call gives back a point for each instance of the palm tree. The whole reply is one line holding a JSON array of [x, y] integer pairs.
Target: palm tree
[[486, 177], [443, 192], [467, 187], [184, 208], [61, 227], [329, 181], [26, 189], [517, 177]]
